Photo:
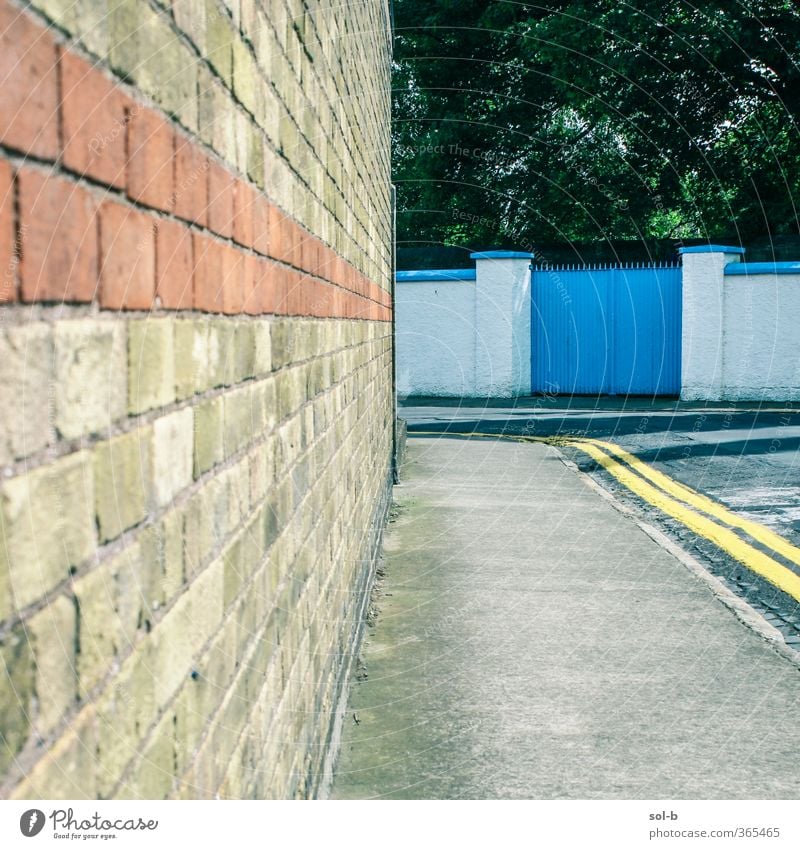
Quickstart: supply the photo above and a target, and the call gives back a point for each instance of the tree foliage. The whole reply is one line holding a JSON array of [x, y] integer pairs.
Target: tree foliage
[[585, 120]]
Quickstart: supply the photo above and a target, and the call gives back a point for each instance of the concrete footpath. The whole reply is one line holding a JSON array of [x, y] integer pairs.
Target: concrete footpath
[[534, 642]]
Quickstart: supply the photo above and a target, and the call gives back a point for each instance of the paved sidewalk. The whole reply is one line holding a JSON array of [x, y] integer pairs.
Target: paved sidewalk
[[534, 642]]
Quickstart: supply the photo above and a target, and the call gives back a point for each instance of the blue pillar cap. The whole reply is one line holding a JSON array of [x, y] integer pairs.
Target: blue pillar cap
[[711, 249], [501, 255]]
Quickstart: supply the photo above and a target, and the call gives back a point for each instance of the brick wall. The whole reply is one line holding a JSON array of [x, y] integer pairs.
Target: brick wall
[[195, 388]]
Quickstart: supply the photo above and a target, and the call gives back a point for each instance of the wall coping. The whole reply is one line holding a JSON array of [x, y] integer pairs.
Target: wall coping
[[502, 255], [434, 275], [739, 268], [711, 249]]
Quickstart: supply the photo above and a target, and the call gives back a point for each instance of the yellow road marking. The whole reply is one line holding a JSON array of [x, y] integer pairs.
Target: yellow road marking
[[660, 496], [776, 573], [703, 503]]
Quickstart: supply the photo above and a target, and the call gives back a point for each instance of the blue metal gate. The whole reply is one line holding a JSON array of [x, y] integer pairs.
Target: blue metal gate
[[612, 330]]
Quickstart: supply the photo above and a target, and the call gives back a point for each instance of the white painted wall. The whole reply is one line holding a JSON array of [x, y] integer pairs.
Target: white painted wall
[[467, 338], [741, 332], [761, 353], [503, 324], [703, 321], [435, 327]]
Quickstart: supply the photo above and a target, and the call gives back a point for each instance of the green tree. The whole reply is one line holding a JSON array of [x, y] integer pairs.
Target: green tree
[[595, 119]]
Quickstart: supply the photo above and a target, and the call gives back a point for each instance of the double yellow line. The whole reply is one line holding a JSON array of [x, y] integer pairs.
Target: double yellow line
[[699, 513]]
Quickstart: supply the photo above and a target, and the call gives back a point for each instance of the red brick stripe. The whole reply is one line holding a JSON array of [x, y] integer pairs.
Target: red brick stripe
[[159, 222]]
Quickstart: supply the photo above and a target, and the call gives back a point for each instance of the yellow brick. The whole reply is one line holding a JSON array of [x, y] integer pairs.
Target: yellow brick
[[173, 445], [122, 475], [67, 769], [52, 633], [151, 366], [26, 360], [46, 527], [90, 387]]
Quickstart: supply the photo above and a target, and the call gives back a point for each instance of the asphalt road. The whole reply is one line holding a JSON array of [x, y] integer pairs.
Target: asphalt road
[[744, 456]]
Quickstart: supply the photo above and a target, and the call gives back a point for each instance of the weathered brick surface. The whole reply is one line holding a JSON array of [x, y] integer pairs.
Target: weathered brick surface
[[90, 385], [173, 441], [8, 258], [128, 259], [29, 117], [26, 376], [175, 266], [151, 143], [95, 117], [59, 239], [192, 499], [37, 555], [51, 633], [151, 365], [122, 481]]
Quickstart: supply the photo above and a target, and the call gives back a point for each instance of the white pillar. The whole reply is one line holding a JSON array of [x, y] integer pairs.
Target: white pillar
[[502, 324], [703, 319]]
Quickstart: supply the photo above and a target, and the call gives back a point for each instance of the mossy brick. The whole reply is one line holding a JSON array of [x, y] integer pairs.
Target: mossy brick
[[136, 685], [53, 635], [122, 476], [136, 585], [282, 343], [37, 555], [199, 533], [169, 72], [174, 571], [151, 365], [221, 353], [112, 606], [26, 380], [208, 435], [190, 17], [245, 76], [216, 115], [99, 628], [262, 348], [191, 358], [152, 775], [255, 154], [126, 45], [234, 572], [239, 428], [219, 41], [290, 386], [66, 770], [207, 604], [63, 13], [172, 650], [173, 446], [91, 376], [162, 559], [268, 392], [17, 691], [244, 338], [117, 740], [260, 474]]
